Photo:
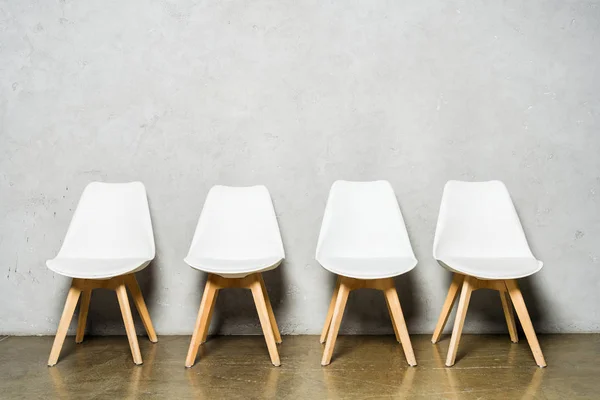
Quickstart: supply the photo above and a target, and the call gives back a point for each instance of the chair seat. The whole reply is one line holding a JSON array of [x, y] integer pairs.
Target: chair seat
[[233, 268], [492, 268], [96, 268], [368, 268]]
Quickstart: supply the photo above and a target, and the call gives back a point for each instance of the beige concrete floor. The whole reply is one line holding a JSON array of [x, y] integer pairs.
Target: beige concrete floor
[[488, 367]]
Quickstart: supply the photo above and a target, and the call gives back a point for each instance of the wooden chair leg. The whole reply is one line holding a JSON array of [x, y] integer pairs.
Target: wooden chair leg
[[461, 313], [457, 280], [393, 320], [86, 296], [270, 310], [265, 322], [521, 309], [510, 316], [330, 312], [336, 320], [63, 325], [140, 305], [391, 296], [203, 320], [128, 321], [211, 309]]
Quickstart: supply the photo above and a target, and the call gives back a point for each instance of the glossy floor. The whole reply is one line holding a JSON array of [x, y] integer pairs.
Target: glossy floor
[[488, 367]]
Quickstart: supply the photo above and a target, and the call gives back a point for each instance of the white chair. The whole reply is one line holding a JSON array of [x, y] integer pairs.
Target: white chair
[[364, 241], [236, 240], [480, 239], [109, 239]]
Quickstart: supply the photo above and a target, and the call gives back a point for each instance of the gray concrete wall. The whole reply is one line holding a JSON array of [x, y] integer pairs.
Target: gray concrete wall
[[183, 95]]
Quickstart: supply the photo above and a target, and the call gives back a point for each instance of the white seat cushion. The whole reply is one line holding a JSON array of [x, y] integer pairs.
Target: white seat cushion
[[233, 268], [96, 268], [368, 268], [493, 268]]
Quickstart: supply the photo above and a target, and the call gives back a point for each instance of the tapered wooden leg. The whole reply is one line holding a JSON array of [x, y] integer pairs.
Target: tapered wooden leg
[[510, 316], [140, 304], [128, 320], [457, 280], [86, 295], [336, 320], [203, 321], [270, 310], [265, 322], [393, 321], [330, 312], [211, 309], [63, 325], [391, 296], [461, 313], [521, 309]]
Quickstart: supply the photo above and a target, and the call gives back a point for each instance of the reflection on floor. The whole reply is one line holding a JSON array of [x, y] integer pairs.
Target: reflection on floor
[[488, 367]]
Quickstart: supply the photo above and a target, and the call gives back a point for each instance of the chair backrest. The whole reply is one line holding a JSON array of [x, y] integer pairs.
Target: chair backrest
[[237, 223], [478, 219], [112, 220], [363, 220]]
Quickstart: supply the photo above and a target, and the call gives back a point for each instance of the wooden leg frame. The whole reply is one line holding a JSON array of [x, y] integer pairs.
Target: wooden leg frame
[[256, 284], [338, 304], [83, 288], [508, 290]]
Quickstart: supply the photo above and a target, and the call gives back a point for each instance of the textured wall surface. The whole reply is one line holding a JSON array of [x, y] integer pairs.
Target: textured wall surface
[[182, 95]]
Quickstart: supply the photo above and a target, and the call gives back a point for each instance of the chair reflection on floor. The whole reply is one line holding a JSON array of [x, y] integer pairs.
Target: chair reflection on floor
[[455, 390], [58, 384], [137, 375], [141, 374], [336, 383], [199, 380]]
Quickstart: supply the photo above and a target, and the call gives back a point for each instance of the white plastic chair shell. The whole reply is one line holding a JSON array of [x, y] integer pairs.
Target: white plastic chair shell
[[110, 233], [363, 234], [237, 233], [479, 233]]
